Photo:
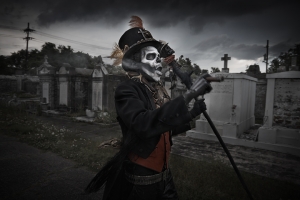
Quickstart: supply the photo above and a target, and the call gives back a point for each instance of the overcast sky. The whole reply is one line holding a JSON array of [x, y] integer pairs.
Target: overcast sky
[[202, 30]]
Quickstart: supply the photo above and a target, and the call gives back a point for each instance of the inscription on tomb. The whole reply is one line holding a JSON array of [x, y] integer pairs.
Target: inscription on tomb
[[224, 87]]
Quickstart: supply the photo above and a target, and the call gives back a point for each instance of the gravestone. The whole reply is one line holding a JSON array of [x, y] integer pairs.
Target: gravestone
[[230, 105], [66, 86], [45, 92], [97, 90], [282, 114], [225, 59], [111, 82], [48, 92], [82, 80]]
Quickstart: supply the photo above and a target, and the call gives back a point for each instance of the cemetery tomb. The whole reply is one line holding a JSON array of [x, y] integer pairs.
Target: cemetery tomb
[[230, 105]]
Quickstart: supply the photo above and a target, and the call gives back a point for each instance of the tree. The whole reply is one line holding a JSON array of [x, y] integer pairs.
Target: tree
[[4, 66], [214, 70], [56, 56], [35, 59], [17, 59], [197, 69], [187, 65], [285, 59]]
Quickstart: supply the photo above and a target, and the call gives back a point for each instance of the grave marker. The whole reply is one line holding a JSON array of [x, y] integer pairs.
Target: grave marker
[[225, 59]]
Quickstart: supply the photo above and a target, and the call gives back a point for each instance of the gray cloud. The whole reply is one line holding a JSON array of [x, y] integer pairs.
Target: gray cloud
[[216, 43], [247, 52], [222, 44], [284, 46], [157, 13]]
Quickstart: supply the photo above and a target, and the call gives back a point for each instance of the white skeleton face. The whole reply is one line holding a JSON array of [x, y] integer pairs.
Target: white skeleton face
[[150, 55]]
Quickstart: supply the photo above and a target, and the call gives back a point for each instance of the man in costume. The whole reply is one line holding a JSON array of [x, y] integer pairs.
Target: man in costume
[[148, 119]]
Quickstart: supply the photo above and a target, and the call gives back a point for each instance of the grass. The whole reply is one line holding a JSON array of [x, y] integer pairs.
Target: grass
[[193, 179], [64, 142], [213, 180]]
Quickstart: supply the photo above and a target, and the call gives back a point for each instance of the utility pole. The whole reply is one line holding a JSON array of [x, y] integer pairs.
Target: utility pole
[[266, 56], [27, 30]]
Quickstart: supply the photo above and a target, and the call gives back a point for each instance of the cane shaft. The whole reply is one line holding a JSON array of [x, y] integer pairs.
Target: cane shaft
[[228, 154]]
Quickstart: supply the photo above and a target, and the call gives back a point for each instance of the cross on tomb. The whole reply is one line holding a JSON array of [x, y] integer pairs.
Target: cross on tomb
[[225, 58]]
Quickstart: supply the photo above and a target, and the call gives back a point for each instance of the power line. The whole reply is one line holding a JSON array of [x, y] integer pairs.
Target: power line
[[12, 36], [10, 27], [28, 30], [84, 38], [71, 41]]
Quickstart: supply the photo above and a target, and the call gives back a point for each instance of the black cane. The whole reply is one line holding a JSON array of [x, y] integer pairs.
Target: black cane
[[228, 154]]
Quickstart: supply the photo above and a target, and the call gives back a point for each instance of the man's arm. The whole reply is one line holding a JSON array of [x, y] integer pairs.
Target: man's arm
[[149, 123]]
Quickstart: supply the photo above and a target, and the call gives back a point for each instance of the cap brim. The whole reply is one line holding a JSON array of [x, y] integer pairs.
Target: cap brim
[[138, 46]]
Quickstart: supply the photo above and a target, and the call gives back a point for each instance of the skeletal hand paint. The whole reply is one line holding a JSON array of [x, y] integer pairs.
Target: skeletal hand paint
[[150, 56]]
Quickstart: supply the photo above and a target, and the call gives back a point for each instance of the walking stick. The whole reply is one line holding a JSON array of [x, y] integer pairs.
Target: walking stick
[[167, 53], [228, 154], [186, 79]]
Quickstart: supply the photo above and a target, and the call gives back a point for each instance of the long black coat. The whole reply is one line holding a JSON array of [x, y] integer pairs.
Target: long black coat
[[142, 126], [139, 118]]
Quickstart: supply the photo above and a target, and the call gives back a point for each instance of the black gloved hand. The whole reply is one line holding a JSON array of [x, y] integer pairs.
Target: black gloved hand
[[165, 50], [198, 108], [199, 87]]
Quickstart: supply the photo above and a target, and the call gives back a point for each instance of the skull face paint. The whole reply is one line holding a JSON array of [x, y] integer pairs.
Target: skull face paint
[[150, 56]]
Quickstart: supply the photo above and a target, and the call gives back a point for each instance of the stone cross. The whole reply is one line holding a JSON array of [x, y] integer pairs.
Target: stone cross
[[225, 58]]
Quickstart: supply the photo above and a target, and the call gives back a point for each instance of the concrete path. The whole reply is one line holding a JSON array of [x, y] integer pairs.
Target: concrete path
[[29, 173]]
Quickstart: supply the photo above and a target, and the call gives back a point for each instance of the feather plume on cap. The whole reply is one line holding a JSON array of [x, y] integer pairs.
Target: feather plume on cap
[[117, 54], [136, 22]]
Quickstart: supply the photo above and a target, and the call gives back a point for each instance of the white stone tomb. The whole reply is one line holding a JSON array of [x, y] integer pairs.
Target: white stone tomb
[[282, 114], [230, 105]]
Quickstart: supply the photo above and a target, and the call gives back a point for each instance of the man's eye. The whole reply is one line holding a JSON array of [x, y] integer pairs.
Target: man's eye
[[150, 56]]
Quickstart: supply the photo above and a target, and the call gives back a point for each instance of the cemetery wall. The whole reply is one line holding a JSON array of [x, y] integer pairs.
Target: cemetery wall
[[287, 103], [30, 87], [8, 84], [30, 84]]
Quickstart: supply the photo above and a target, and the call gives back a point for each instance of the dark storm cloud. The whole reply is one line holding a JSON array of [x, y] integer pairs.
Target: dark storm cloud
[[215, 43], [284, 46], [222, 44], [156, 12]]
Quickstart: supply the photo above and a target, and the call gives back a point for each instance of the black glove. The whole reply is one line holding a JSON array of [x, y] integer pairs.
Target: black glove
[[165, 50], [199, 107], [199, 87]]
